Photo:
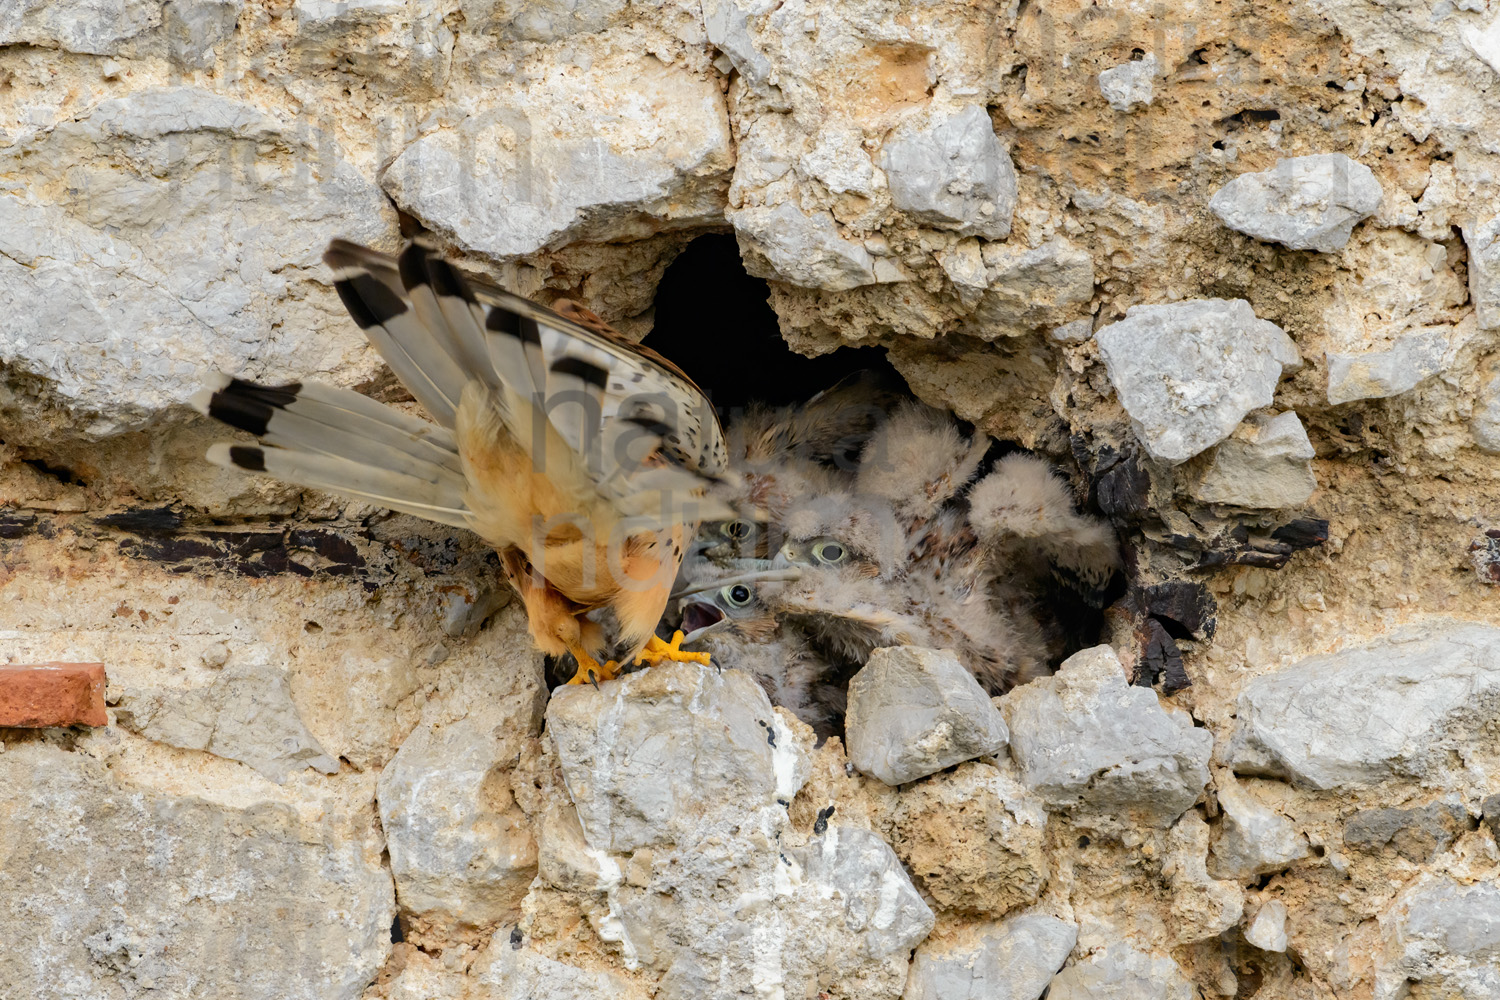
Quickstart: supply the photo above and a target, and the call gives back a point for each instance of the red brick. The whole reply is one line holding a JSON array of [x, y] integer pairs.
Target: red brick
[[33, 695]]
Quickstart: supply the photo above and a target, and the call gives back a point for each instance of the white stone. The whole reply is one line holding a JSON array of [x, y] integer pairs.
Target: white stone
[[510, 973], [178, 258], [1406, 705], [653, 757], [1076, 332], [96, 27], [1201, 907], [1090, 744], [1304, 203], [1485, 43], [540, 20], [784, 243], [1189, 372], [1252, 838], [913, 712], [462, 852], [1129, 85], [1415, 356], [1483, 241], [1486, 422], [1122, 972], [946, 168], [727, 25], [1265, 463], [400, 45], [112, 890], [602, 154], [1268, 930], [1030, 288], [1010, 960], [246, 714], [1445, 936]]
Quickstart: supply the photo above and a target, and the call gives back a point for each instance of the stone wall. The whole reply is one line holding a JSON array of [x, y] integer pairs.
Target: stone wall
[[1240, 262]]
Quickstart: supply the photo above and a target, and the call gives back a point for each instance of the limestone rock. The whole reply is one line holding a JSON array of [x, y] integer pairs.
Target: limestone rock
[[1303, 203], [178, 898], [508, 972], [1010, 960], [726, 22], [1027, 289], [913, 712], [1129, 85], [402, 46], [658, 755], [177, 238], [878, 902], [609, 153], [782, 242], [974, 838], [1268, 930], [1396, 707], [1486, 425], [1414, 356], [1445, 936], [1483, 241], [947, 168], [246, 714], [1266, 463], [77, 25], [461, 851], [1252, 839], [1122, 972], [1417, 833], [1201, 907], [1107, 753], [1189, 372]]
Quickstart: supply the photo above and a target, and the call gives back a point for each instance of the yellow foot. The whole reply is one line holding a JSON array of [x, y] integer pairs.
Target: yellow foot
[[591, 671], [656, 651]]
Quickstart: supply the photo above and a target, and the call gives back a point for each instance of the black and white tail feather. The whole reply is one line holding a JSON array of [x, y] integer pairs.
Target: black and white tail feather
[[613, 405]]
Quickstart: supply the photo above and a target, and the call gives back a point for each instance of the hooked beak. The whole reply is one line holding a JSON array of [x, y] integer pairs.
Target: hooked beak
[[698, 619]]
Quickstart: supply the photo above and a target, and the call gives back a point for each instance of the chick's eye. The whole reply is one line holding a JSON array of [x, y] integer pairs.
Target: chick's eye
[[736, 529], [829, 553], [736, 596]]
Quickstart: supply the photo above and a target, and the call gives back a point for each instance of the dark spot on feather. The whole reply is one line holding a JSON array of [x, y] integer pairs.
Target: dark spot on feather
[[369, 301], [446, 281], [587, 371], [504, 321], [246, 457]]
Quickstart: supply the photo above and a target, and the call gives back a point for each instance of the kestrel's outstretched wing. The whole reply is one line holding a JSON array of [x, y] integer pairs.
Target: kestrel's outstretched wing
[[584, 459]]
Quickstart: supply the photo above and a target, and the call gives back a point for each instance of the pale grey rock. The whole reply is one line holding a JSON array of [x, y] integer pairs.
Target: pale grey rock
[[1268, 930], [590, 155], [1303, 203], [1187, 373], [1415, 355], [1417, 833], [1090, 744], [178, 258], [246, 714], [1031, 288], [1399, 706], [94, 27], [1490, 809], [462, 852], [1010, 960], [1486, 422], [654, 757], [1266, 463], [1252, 838], [402, 45], [148, 894], [1445, 936], [781, 242], [1201, 907], [194, 28], [946, 168], [1129, 85], [913, 712], [727, 23], [1122, 972], [871, 894], [467, 606], [510, 973], [540, 20], [1483, 241], [1076, 332]]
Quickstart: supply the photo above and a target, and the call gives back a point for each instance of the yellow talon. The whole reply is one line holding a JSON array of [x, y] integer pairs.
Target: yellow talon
[[591, 671], [656, 650]]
